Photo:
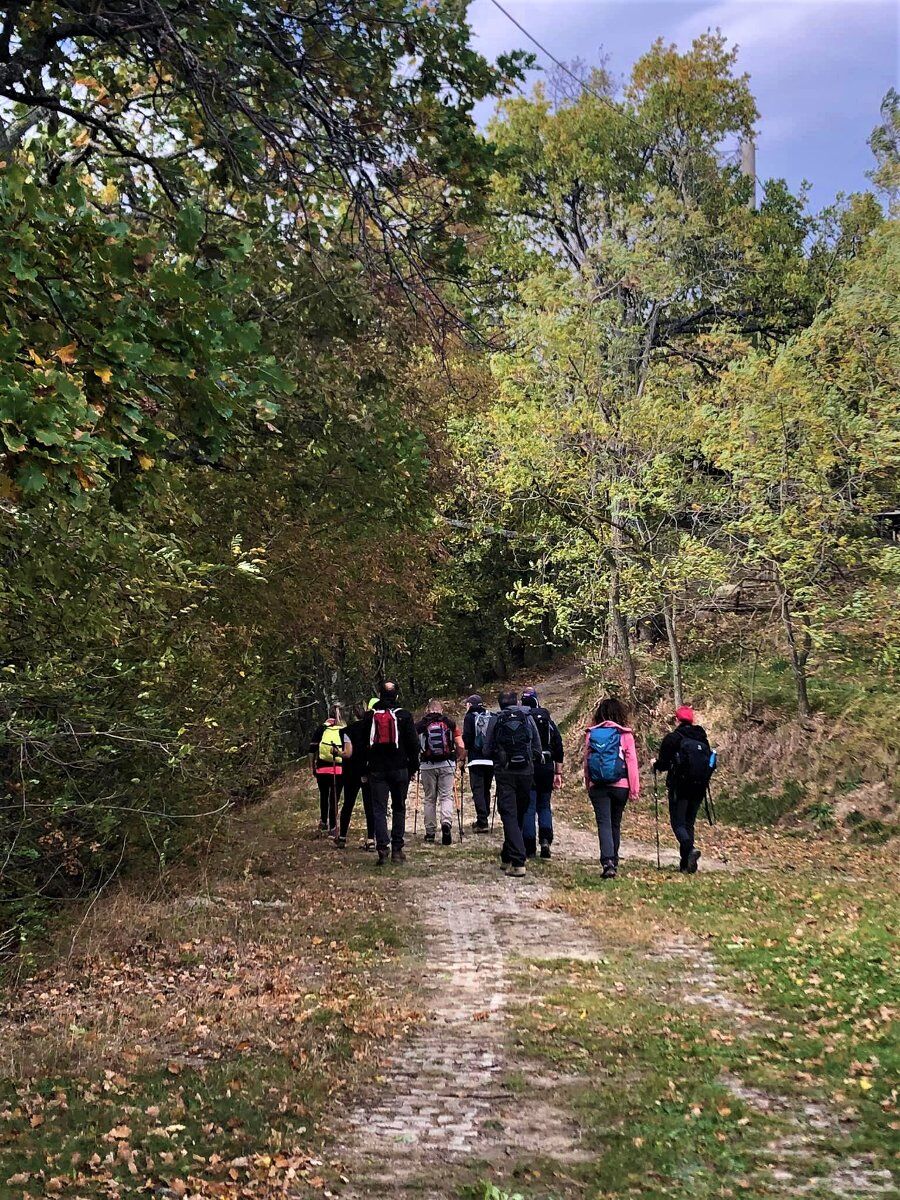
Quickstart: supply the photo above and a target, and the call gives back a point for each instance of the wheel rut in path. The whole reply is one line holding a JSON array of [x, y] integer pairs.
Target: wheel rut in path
[[443, 1100]]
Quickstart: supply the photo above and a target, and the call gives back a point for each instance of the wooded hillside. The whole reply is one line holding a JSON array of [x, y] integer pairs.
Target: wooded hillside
[[306, 380]]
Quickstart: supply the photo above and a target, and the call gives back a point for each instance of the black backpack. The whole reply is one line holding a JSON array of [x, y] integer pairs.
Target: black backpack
[[541, 718], [512, 741], [694, 762]]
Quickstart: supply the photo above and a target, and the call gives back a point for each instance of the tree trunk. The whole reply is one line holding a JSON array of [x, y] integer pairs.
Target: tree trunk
[[674, 651], [619, 641], [799, 644]]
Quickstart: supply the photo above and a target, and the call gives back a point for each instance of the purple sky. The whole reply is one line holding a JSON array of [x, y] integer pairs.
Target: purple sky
[[818, 68]]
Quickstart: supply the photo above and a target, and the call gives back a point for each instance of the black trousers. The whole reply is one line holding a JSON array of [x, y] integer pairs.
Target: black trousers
[[353, 785], [392, 784], [684, 804], [329, 794], [480, 779], [513, 799], [609, 802]]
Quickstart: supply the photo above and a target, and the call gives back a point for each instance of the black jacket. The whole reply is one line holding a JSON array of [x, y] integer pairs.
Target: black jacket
[[395, 758], [357, 734], [534, 736], [668, 750], [555, 748]]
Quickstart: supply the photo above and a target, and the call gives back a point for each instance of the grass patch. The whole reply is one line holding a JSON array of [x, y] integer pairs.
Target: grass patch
[[815, 957]]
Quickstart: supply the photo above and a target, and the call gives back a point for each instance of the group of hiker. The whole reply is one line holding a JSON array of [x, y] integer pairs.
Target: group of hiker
[[518, 751]]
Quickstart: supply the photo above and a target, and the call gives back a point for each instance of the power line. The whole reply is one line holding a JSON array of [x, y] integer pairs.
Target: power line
[[568, 71], [619, 111]]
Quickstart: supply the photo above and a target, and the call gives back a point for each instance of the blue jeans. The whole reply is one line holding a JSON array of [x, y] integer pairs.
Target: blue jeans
[[539, 809]]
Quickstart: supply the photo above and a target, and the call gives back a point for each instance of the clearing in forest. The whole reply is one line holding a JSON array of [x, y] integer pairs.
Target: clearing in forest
[[293, 1023]]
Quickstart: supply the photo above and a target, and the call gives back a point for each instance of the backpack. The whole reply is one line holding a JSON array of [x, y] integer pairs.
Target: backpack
[[482, 719], [605, 763], [512, 741], [541, 718], [384, 728], [331, 744], [694, 763], [437, 740]]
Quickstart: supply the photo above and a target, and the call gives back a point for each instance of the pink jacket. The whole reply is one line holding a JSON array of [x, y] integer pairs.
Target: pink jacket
[[629, 753]]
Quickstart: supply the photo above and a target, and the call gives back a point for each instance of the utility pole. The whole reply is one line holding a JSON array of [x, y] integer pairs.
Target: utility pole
[[748, 167]]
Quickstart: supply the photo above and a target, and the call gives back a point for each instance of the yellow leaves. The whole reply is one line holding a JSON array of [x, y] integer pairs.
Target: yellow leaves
[[67, 354], [104, 373], [865, 1084], [81, 139], [145, 462], [109, 193]]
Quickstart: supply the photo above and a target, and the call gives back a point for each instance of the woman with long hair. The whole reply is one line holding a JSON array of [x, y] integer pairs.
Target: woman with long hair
[[611, 776]]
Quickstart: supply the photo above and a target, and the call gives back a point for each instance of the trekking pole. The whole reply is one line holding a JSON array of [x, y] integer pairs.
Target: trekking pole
[[459, 811], [416, 809], [710, 806], [656, 809]]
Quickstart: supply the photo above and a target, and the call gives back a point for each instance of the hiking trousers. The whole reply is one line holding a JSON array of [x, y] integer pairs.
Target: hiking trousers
[[540, 810], [391, 784], [609, 802], [513, 798], [437, 781], [480, 780], [329, 794], [353, 785], [684, 804]]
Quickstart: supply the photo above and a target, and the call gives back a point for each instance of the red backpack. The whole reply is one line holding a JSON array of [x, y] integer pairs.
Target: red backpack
[[384, 728]]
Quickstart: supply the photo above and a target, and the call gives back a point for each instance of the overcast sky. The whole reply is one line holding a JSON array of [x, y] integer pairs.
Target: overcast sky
[[818, 68]]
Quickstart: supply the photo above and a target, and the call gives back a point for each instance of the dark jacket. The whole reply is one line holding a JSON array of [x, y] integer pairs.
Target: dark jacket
[[668, 750], [357, 734], [554, 751], [394, 758], [535, 737]]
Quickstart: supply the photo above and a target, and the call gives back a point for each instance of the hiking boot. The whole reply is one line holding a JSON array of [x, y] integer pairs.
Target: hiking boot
[[368, 844], [340, 842], [516, 872], [429, 837], [382, 858], [692, 862], [323, 827], [481, 827], [446, 835], [609, 871], [398, 856], [530, 848], [545, 849], [504, 866]]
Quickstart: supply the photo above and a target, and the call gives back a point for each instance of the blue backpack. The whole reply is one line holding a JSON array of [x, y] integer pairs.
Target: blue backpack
[[605, 763]]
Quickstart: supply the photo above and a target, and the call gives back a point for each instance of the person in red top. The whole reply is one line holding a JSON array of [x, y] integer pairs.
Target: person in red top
[[609, 796]]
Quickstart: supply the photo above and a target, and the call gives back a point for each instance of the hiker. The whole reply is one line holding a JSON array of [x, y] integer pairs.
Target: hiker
[[547, 776], [481, 768], [611, 776], [440, 746], [326, 755], [393, 758], [686, 757], [355, 777], [514, 746]]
